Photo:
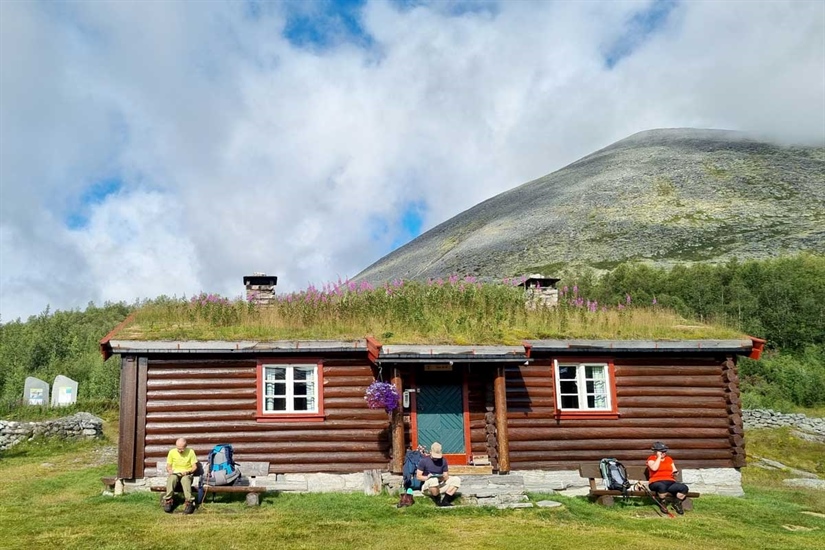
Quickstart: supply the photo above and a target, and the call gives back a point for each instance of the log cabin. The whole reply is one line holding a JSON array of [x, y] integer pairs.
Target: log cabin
[[538, 409]]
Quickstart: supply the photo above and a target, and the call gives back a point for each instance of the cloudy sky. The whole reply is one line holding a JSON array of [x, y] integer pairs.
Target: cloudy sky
[[165, 147]]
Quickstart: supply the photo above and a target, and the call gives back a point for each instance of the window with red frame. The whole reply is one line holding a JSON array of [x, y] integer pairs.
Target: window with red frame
[[583, 387], [290, 389]]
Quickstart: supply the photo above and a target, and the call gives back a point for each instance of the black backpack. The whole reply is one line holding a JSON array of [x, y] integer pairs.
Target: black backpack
[[223, 470], [614, 475], [411, 460]]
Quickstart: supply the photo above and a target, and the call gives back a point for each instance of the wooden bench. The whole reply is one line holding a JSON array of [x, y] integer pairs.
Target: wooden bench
[[246, 484], [634, 473]]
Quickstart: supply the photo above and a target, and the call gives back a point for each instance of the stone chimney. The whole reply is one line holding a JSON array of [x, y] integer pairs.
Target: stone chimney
[[540, 291], [260, 288]]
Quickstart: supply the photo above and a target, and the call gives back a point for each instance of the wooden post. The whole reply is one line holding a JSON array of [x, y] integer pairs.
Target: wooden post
[[503, 439], [397, 428]]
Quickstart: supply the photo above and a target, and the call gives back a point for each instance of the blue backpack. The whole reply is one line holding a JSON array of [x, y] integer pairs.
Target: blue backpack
[[223, 470], [411, 460]]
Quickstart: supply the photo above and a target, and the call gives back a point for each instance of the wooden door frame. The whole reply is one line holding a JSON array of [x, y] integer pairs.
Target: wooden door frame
[[455, 459]]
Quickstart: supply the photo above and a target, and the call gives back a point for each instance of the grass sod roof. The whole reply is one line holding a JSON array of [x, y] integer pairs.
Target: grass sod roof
[[451, 313]]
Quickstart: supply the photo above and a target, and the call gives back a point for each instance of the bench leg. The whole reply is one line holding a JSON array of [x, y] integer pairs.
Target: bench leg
[[605, 500], [253, 499], [687, 504]]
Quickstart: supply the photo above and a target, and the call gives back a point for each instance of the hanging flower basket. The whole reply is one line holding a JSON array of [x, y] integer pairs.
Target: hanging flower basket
[[382, 395]]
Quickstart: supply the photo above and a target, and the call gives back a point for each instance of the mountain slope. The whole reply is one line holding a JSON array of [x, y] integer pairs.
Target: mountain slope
[[664, 196]]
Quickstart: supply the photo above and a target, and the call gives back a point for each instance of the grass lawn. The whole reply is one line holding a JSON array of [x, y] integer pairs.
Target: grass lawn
[[51, 498]]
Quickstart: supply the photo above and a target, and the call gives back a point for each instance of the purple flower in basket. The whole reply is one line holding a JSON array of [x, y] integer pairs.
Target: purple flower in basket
[[382, 395]]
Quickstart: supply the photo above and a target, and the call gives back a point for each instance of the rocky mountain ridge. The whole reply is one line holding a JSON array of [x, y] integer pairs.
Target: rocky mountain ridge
[[661, 196]]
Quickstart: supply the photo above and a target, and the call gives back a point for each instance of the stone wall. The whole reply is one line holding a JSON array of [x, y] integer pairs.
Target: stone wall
[[766, 418], [78, 426]]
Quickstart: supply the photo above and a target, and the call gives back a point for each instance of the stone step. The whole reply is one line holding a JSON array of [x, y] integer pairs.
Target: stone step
[[471, 470]]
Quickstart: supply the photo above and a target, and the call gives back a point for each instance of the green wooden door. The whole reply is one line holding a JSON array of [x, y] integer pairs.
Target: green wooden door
[[440, 410]]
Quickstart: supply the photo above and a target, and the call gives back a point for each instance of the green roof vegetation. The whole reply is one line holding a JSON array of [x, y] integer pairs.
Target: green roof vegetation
[[452, 311]]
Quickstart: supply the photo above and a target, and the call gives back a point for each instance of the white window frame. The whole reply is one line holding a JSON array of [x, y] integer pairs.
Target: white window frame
[[582, 385], [290, 389]]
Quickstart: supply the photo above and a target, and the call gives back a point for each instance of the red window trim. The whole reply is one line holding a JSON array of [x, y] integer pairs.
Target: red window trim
[[612, 414], [261, 416]]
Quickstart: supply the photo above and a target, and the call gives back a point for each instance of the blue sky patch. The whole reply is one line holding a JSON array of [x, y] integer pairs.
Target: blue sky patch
[[410, 223], [323, 24], [93, 195], [638, 29]]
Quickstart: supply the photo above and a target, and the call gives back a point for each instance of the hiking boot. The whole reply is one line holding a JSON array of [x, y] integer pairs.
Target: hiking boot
[[446, 500], [406, 500], [168, 505], [677, 505], [190, 507]]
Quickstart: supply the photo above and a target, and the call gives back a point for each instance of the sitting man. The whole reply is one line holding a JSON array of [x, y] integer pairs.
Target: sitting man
[[432, 470], [181, 465], [662, 477]]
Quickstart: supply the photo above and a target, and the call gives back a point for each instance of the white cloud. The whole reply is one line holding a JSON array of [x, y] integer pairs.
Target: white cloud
[[240, 152]]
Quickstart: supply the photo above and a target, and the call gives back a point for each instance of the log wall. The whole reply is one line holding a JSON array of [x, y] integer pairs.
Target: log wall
[[691, 404], [215, 401]]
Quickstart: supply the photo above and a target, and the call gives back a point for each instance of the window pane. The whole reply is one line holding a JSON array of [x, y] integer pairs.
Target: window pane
[[569, 387], [597, 386], [569, 402], [300, 388], [275, 404], [275, 373], [275, 388], [594, 373], [300, 403], [303, 373], [598, 401], [567, 373]]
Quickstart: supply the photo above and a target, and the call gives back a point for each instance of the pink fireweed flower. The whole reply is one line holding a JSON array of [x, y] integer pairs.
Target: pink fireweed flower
[[627, 299]]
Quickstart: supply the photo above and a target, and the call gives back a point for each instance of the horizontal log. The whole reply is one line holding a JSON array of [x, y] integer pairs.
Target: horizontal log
[[736, 430], [641, 446], [523, 465], [350, 468], [670, 382], [345, 402], [221, 432], [529, 382], [668, 371], [270, 453], [204, 362], [649, 391], [278, 448], [203, 373], [344, 391], [201, 404], [628, 456], [529, 402], [355, 381], [622, 422], [737, 440], [202, 393], [530, 370], [202, 416], [535, 391], [355, 414], [691, 412], [667, 362], [669, 402], [199, 383], [732, 399], [348, 370], [653, 434], [530, 412]]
